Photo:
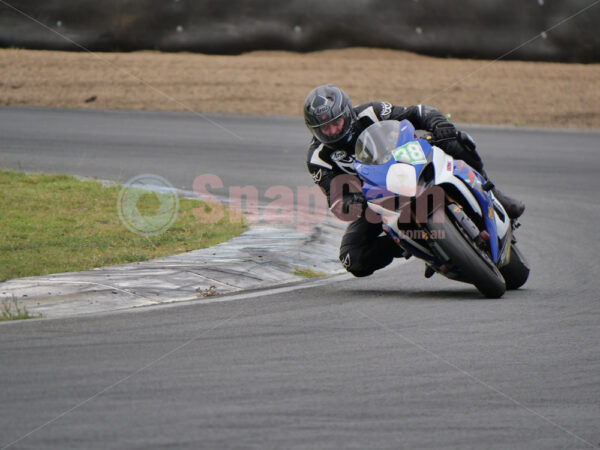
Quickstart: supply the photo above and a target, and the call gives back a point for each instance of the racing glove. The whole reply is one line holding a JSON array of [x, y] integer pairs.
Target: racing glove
[[444, 132]]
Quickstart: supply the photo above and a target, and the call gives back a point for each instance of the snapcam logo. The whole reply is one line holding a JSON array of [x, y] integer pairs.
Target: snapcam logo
[[148, 205]]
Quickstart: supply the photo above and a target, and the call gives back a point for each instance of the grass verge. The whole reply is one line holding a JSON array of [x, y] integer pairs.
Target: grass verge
[[308, 273], [57, 223], [12, 310]]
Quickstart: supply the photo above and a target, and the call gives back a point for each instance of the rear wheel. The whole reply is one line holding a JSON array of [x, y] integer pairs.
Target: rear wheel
[[516, 272], [476, 266]]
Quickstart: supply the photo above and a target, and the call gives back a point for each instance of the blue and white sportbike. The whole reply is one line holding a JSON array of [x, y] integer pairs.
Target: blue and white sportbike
[[438, 209]]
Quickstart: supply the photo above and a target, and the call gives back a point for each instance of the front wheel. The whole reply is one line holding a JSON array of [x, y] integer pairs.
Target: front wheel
[[516, 271], [461, 252]]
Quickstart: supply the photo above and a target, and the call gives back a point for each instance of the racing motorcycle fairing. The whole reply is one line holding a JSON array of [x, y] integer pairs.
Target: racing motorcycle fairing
[[393, 162]]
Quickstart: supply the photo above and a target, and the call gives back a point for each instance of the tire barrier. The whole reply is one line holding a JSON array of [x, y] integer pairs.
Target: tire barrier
[[543, 30]]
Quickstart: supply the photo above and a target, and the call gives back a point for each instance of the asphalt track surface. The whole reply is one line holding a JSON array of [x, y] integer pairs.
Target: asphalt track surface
[[385, 362]]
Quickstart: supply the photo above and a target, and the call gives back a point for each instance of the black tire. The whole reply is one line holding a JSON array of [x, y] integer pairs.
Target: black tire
[[478, 268], [516, 272]]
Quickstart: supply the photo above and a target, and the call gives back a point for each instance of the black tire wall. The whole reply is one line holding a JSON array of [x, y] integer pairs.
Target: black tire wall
[[463, 28]]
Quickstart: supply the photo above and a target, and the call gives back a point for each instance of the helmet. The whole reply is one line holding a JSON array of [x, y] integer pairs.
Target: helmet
[[324, 105]]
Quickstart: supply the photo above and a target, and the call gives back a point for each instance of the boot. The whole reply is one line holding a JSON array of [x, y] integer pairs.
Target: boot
[[514, 208]]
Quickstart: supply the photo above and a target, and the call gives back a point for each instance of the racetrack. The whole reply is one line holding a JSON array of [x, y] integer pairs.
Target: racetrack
[[389, 361]]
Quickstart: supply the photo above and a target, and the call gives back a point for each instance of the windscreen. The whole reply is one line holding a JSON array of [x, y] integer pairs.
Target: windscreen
[[375, 144]]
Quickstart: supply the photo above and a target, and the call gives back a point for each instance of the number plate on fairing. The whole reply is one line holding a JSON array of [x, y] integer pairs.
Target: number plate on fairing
[[410, 153]]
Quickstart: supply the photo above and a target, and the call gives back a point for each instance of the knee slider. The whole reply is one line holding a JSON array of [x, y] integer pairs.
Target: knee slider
[[355, 268]]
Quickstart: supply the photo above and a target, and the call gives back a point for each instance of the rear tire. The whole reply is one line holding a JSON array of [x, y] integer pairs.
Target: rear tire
[[516, 272], [478, 269]]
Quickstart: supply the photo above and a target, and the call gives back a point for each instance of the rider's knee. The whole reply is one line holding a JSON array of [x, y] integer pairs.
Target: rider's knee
[[354, 265]]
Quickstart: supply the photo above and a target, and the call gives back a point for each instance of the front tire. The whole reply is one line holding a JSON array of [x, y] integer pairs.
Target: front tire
[[516, 272], [476, 266]]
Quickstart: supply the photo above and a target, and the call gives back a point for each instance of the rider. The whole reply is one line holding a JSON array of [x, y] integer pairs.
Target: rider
[[335, 125]]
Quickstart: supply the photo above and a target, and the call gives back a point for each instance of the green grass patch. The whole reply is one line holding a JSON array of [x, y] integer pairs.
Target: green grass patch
[[308, 273], [57, 223], [12, 310]]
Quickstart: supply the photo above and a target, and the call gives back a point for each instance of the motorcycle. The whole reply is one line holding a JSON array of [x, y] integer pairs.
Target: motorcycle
[[438, 209]]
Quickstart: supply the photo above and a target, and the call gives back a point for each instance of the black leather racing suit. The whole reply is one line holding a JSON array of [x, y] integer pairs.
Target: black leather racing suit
[[363, 248]]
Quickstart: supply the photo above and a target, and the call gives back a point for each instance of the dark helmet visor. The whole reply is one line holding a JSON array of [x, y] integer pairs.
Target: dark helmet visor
[[321, 131]]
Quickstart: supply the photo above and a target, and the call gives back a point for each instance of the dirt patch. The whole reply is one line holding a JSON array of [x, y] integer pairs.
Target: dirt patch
[[472, 91]]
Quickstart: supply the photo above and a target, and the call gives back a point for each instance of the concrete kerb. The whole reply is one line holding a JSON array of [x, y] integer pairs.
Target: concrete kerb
[[266, 255]]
